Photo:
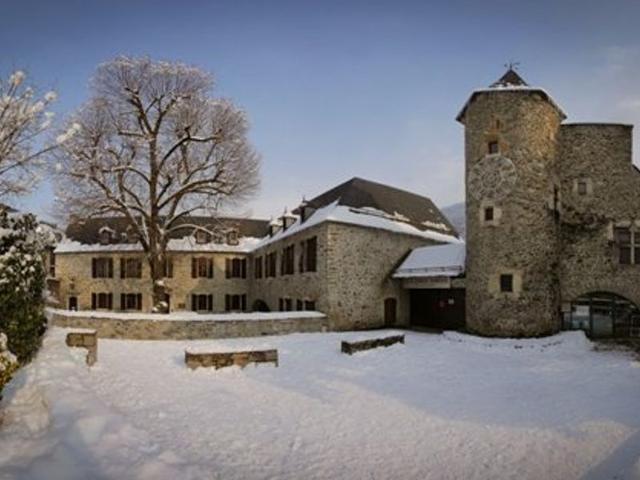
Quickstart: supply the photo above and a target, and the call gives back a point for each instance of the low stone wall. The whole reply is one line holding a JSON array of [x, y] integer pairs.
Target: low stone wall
[[159, 329], [227, 359], [353, 347], [88, 340]]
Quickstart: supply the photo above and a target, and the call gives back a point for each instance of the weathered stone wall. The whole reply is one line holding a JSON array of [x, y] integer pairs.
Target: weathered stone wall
[[188, 329], [360, 262], [310, 286], [601, 155], [73, 270], [524, 241]]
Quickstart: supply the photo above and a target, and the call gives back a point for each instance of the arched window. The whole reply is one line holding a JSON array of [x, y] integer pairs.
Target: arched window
[[603, 314]]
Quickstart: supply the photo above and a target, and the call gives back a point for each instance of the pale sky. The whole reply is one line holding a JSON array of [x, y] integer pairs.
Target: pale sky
[[337, 89]]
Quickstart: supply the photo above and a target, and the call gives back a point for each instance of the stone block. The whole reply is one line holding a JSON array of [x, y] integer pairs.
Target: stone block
[[218, 360], [353, 347]]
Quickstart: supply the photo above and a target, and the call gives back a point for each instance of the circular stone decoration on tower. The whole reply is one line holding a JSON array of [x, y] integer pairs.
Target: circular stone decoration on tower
[[492, 178]]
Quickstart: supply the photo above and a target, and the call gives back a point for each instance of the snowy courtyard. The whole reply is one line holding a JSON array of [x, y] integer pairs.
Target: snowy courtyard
[[440, 406]]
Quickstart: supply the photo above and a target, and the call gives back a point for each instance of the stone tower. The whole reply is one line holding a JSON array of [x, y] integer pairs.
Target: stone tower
[[513, 205]]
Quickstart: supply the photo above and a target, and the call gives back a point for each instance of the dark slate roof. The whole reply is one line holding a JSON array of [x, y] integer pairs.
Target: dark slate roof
[[509, 79], [360, 193], [88, 230]]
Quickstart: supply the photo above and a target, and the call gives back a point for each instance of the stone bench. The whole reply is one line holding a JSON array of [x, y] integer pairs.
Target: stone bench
[[353, 347], [227, 359], [85, 339]]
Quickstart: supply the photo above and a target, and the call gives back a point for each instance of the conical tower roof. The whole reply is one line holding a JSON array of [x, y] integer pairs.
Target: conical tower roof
[[510, 79]]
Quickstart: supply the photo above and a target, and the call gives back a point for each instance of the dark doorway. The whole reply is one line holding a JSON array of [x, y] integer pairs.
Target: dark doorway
[[73, 303], [438, 308], [390, 311], [260, 306]]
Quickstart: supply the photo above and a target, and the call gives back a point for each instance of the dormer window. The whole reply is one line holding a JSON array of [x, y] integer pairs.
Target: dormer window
[[232, 237], [202, 237], [132, 236], [105, 235], [493, 147]]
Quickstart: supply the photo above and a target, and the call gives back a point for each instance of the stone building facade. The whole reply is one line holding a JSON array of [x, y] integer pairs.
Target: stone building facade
[[553, 218], [336, 255]]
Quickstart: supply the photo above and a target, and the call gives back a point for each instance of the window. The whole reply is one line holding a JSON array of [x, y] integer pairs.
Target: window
[[493, 147], [308, 254], [202, 237], [285, 304], [287, 260], [299, 305], [506, 283], [202, 302], [309, 305], [131, 235], [488, 214], [102, 267], [167, 268], [235, 303], [236, 268], [271, 262], [257, 267], [101, 300], [628, 242], [201, 267], [130, 268], [52, 264], [130, 301], [582, 187]]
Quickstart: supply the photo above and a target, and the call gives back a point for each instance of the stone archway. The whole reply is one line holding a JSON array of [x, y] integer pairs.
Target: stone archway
[[603, 314]]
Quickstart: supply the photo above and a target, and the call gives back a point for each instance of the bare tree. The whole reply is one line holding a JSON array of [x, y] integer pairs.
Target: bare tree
[[153, 146], [23, 120]]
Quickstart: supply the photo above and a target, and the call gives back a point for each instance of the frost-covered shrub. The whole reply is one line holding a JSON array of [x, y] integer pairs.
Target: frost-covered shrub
[[22, 282], [8, 362]]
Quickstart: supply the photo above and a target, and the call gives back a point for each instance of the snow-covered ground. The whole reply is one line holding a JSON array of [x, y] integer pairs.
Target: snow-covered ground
[[440, 406]]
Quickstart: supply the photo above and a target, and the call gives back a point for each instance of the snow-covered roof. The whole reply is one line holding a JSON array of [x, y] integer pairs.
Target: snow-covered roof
[[185, 244], [433, 261], [364, 217], [510, 82]]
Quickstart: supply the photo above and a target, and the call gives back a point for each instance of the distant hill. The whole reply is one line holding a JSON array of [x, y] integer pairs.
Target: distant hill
[[456, 215]]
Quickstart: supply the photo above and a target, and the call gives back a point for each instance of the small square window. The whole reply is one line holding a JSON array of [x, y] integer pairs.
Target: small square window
[[506, 283], [582, 187], [488, 214], [493, 147]]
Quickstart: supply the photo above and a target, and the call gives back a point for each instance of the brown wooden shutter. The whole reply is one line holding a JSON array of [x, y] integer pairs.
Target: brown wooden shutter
[[209, 302], [110, 269], [194, 305], [123, 301], [139, 301], [93, 268], [110, 299], [93, 301], [243, 267], [228, 265], [210, 268], [123, 266], [227, 302], [243, 301], [194, 268]]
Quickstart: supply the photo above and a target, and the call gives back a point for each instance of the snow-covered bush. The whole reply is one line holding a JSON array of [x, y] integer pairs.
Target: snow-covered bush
[[22, 282], [8, 362]]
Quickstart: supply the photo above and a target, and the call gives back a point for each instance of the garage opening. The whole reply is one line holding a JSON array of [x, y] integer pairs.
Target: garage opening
[[441, 309]]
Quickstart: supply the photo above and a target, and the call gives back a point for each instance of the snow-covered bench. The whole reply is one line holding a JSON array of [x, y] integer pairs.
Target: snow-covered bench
[[352, 347], [226, 359], [85, 339]]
